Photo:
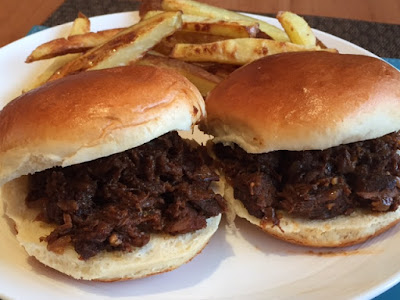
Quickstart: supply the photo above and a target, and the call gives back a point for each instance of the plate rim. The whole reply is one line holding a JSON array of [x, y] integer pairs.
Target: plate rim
[[369, 293]]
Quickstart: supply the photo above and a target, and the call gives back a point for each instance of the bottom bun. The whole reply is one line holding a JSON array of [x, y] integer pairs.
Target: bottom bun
[[163, 253], [340, 231]]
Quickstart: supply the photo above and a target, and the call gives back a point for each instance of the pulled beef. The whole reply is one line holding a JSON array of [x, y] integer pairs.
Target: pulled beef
[[116, 202], [316, 184]]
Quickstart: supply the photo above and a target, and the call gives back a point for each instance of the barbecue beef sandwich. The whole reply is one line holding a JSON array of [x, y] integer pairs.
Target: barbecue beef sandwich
[[97, 180], [308, 144]]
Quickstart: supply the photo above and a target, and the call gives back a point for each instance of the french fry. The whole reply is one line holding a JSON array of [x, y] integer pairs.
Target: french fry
[[234, 51], [222, 28], [186, 18], [152, 13], [80, 25], [182, 37], [200, 9], [127, 46], [232, 29], [72, 44], [202, 79], [199, 19], [296, 28]]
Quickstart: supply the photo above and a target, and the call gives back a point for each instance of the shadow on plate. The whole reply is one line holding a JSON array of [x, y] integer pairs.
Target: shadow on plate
[[273, 246], [194, 272]]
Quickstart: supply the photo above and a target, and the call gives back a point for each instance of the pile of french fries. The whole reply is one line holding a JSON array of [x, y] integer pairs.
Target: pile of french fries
[[202, 42]]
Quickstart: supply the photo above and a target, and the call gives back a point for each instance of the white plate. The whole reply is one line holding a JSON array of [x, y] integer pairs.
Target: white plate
[[246, 264]]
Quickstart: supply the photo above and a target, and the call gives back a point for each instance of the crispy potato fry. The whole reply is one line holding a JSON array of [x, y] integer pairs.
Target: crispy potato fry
[[80, 25], [222, 28], [186, 18], [202, 79], [232, 29], [296, 28], [182, 37], [200, 9], [152, 13], [235, 51], [127, 46], [199, 19], [72, 44]]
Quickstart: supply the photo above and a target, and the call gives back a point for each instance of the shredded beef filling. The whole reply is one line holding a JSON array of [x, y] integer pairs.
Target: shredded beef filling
[[116, 202], [316, 184]]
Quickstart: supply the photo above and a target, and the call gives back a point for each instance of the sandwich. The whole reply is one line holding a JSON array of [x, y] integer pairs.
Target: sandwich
[[308, 146], [98, 181]]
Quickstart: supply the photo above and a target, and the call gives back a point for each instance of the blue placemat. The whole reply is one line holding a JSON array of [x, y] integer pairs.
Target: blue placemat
[[36, 28], [394, 292], [394, 62]]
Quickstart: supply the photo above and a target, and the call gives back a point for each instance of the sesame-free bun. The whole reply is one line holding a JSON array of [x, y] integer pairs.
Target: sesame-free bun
[[163, 252], [81, 118], [305, 101], [91, 115], [340, 231]]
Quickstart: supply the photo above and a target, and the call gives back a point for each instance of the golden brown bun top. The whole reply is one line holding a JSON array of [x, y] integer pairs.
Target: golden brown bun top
[[93, 114], [305, 100]]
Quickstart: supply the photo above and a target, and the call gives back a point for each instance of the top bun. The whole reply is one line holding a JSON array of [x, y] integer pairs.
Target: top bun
[[91, 115], [305, 101]]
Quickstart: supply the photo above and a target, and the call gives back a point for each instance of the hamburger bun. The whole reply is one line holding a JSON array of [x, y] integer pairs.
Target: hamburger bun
[[307, 101], [84, 117], [91, 115]]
